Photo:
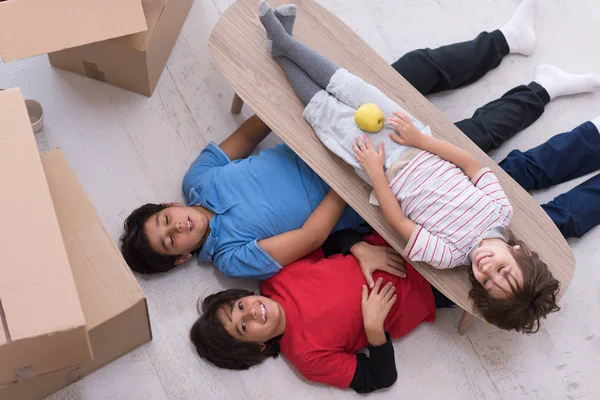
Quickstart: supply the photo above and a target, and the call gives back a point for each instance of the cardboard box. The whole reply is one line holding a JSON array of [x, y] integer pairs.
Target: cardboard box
[[32, 27], [114, 306], [55, 248], [42, 326], [133, 62]]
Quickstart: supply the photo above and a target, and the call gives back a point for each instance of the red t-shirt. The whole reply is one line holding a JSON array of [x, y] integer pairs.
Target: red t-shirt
[[324, 327]]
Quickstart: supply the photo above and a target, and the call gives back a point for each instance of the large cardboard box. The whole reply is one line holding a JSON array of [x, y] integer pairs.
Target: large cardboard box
[[114, 306], [133, 62], [65, 289], [42, 327]]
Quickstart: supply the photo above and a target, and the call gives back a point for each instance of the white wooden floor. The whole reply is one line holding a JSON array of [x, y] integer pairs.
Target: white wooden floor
[[128, 149]]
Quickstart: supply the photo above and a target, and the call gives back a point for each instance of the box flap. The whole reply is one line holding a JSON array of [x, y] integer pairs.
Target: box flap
[[139, 41], [37, 293], [33, 27], [105, 283]]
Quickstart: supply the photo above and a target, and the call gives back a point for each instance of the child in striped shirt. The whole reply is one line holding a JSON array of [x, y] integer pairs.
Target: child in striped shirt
[[444, 202], [449, 209]]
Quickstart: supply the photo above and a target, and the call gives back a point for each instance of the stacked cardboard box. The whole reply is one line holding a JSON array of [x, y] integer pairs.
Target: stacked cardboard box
[[125, 43], [69, 302]]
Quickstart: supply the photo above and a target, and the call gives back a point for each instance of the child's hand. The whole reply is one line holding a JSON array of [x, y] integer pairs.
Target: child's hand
[[372, 258], [375, 308], [370, 159], [408, 134]]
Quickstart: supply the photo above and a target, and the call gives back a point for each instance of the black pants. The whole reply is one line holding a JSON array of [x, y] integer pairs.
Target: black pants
[[441, 301], [457, 65]]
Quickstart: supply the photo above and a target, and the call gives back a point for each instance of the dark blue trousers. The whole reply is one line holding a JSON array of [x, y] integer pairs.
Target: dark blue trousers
[[562, 158]]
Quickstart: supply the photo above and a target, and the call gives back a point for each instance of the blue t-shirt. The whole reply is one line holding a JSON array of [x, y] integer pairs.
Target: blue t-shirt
[[253, 199]]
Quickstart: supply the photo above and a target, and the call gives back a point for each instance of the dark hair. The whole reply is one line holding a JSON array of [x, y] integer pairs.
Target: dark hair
[[135, 246], [217, 346], [528, 303]]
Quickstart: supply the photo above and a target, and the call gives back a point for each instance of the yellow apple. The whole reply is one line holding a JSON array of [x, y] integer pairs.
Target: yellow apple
[[369, 118]]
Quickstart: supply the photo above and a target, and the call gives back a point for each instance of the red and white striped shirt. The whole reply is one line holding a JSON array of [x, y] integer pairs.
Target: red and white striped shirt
[[452, 213]]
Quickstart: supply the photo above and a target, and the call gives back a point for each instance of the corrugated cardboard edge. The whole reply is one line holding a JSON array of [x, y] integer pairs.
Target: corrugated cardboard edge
[[132, 41], [164, 37]]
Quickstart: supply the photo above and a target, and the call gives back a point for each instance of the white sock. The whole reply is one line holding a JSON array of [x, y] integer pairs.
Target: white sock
[[597, 123], [559, 83], [519, 31]]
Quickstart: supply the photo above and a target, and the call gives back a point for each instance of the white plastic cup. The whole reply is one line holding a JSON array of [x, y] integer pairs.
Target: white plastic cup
[[36, 114]]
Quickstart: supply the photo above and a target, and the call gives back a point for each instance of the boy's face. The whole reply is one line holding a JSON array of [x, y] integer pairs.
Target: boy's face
[[176, 231], [254, 319], [495, 267]]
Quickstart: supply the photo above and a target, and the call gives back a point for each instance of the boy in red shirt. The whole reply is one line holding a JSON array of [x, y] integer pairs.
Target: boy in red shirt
[[318, 312]]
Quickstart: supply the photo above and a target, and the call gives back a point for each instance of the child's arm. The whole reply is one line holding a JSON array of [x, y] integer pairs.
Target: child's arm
[[291, 246], [379, 369], [245, 138], [409, 135], [372, 162], [370, 257]]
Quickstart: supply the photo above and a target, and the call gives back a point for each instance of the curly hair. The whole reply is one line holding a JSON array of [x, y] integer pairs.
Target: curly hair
[[135, 246], [528, 302], [214, 344]]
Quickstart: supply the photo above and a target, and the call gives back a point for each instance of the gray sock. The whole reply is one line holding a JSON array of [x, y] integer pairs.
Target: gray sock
[[286, 15], [318, 67], [302, 84], [304, 87]]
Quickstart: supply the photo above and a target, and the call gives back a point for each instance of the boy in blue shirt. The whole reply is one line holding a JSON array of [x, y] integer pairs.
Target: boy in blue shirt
[[250, 215]]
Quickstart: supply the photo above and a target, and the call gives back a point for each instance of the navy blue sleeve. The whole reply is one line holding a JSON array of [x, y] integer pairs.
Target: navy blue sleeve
[[341, 242], [376, 371]]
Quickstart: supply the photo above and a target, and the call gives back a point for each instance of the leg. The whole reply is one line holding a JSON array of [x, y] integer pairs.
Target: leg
[[286, 14], [578, 210], [465, 322], [303, 85], [501, 119], [236, 104], [563, 157], [441, 301], [280, 43], [460, 64], [319, 70], [452, 66]]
